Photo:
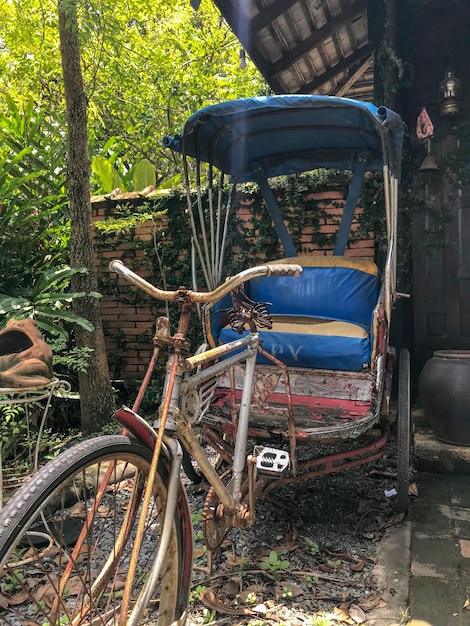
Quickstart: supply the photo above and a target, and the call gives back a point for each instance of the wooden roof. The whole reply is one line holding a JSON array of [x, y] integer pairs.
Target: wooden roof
[[307, 46]]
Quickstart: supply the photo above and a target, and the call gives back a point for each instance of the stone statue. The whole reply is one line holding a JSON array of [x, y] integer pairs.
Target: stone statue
[[25, 358]]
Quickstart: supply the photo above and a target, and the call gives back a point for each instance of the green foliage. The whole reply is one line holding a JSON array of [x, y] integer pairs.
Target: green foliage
[[209, 616], [107, 177], [143, 175], [19, 432], [311, 581], [196, 593], [63, 621], [458, 163], [14, 431], [146, 65], [68, 358], [33, 218], [320, 620], [110, 173], [47, 301], [274, 562], [312, 546], [13, 581]]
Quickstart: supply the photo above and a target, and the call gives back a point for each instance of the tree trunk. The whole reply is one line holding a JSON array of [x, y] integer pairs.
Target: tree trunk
[[96, 394]]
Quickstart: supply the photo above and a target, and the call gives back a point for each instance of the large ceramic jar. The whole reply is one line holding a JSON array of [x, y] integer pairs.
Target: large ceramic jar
[[444, 392]]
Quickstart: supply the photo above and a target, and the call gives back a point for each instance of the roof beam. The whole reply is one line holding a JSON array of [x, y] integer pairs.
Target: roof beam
[[270, 13], [361, 70], [342, 66], [358, 7], [241, 25]]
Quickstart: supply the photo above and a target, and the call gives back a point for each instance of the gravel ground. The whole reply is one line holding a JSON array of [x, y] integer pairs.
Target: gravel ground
[[309, 557], [307, 560]]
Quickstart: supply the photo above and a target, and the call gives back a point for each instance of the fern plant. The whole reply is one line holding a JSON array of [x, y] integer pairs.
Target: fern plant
[[47, 302]]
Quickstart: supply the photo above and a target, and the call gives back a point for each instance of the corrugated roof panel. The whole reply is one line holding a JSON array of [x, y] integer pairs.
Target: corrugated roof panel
[[318, 14], [344, 40], [317, 61], [292, 79], [335, 7], [268, 46], [330, 52], [359, 27], [300, 21], [304, 70], [286, 32], [247, 8]]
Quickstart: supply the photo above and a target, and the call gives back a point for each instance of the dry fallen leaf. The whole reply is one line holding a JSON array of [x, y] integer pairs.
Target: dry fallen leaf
[[292, 535], [198, 552], [337, 615], [287, 588], [391, 521], [104, 511], [231, 588], [234, 561], [118, 584], [357, 614], [384, 473], [256, 588], [371, 602], [78, 510], [288, 547], [18, 598], [75, 585], [211, 601]]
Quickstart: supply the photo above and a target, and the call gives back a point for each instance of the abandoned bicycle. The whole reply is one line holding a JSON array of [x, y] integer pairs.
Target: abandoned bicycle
[[102, 534]]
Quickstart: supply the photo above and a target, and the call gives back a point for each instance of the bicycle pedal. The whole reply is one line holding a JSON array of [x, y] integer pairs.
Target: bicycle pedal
[[271, 461]]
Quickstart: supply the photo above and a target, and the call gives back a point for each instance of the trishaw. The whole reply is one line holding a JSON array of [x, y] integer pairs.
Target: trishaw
[[323, 372], [296, 358]]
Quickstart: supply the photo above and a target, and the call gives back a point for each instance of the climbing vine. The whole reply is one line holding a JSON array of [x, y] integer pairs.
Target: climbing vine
[[311, 220], [153, 236]]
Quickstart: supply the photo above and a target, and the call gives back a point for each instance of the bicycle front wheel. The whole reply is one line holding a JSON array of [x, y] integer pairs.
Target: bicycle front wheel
[[66, 539]]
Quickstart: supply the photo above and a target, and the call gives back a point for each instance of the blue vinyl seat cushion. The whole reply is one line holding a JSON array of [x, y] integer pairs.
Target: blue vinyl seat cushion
[[323, 319]]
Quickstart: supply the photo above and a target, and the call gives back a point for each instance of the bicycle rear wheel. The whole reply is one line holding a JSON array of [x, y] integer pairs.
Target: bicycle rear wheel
[[66, 539]]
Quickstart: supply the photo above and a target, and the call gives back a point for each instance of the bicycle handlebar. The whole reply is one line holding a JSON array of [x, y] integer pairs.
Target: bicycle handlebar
[[277, 269]]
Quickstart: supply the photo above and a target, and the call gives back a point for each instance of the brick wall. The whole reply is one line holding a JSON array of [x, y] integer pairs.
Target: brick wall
[[329, 203], [129, 315]]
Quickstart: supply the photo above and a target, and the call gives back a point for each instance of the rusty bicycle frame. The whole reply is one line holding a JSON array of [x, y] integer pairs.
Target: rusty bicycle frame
[[237, 391], [253, 140], [172, 426]]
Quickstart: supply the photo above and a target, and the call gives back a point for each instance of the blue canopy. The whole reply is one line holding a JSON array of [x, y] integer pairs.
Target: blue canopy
[[288, 134]]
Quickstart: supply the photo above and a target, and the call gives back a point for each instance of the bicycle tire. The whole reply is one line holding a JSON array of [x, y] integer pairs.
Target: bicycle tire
[[403, 431], [38, 538]]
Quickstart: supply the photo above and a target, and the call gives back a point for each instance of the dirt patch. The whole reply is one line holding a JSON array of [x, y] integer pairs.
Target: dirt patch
[[309, 558]]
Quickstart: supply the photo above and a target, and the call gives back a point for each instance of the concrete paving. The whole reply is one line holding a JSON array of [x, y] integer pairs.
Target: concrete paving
[[424, 562]]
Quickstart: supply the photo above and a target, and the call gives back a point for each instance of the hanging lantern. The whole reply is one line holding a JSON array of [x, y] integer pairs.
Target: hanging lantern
[[242, 59], [450, 93]]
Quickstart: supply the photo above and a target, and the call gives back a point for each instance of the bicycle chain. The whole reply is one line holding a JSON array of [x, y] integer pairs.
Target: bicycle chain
[[214, 528]]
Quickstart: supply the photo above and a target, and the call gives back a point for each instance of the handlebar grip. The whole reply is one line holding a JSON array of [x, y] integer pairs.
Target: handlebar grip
[[118, 266], [285, 269]]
